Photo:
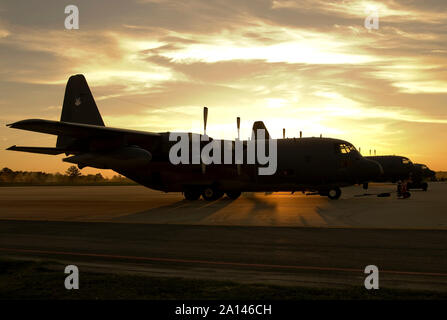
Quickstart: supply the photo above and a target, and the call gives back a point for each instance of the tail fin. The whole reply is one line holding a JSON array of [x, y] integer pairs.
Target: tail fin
[[259, 125], [79, 107]]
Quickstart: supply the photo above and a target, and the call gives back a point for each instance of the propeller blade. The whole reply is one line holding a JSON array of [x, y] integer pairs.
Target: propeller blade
[[238, 123], [205, 118]]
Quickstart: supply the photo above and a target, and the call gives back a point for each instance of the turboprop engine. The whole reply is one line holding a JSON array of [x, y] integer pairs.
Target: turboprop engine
[[125, 157]]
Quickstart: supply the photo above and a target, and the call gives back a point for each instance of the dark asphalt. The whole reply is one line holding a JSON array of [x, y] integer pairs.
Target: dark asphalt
[[314, 256]]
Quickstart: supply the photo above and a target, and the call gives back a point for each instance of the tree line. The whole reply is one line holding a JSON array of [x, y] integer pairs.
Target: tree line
[[72, 176]]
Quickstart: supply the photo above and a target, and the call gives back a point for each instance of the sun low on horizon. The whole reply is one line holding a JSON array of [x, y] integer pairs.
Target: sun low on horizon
[[310, 66]]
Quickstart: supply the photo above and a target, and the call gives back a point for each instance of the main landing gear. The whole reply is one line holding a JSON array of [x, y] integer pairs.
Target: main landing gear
[[332, 193], [209, 194], [233, 195]]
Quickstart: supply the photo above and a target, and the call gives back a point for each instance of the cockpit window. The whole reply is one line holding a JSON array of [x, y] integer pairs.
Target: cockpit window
[[424, 167], [406, 161], [344, 148]]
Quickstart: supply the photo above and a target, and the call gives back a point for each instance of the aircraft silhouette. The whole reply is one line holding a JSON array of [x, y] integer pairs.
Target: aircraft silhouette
[[319, 165], [402, 168]]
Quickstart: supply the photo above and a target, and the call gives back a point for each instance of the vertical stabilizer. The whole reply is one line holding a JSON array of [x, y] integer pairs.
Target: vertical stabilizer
[[259, 125], [79, 107]]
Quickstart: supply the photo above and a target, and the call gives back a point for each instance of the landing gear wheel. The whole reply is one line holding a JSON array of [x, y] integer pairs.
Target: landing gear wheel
[[424, 186], [191, 195], [211, 194], [334, 193], [233, 194]]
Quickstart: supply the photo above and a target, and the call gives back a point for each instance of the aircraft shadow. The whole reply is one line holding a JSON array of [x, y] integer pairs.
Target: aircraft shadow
[[192, 212], [259, 203], [183, 211]]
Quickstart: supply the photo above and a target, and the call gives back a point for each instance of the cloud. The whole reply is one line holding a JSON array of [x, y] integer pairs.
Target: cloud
[[308, 65]]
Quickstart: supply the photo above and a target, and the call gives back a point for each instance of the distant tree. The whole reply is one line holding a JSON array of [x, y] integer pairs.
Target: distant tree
[[73, 172], [6, 171], [7, 175]]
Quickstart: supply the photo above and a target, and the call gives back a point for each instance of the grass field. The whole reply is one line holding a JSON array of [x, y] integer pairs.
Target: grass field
[[45, 280]]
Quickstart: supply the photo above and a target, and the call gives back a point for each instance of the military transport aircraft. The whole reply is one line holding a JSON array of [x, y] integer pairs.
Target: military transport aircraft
[[395, 168], [401, 168], [319, 165], [419, 175]]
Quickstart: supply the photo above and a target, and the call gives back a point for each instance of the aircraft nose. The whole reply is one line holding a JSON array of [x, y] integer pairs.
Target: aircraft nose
[[370, 170], [373, 169]]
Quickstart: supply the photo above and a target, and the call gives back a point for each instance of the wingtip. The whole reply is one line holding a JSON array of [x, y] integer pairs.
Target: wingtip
[[11, 147], [19, 123], [12, 125]]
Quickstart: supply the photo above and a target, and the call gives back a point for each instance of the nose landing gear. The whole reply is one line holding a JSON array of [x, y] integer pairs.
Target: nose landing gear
[[191, 194]]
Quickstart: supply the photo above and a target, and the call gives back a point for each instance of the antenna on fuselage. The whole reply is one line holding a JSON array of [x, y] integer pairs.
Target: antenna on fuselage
[[301, 134], [374, 151], [283, 133]]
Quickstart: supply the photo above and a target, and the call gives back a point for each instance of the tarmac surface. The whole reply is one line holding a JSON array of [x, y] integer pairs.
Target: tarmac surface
[[277, 239], [136, 204]]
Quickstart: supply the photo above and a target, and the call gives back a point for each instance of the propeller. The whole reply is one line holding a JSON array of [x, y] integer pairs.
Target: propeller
[[205, 118], [238, 125]]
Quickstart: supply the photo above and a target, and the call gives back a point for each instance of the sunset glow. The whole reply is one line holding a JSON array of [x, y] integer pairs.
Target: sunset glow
[[306, 66]]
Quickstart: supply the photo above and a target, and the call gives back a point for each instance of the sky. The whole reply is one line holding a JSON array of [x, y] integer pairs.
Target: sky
[[308, 66]]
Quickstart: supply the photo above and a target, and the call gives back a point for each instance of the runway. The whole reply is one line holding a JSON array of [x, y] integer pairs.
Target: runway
[[136, 204], [274, 239], [287, 256]]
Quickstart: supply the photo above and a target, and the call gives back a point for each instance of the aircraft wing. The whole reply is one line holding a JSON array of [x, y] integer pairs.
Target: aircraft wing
[[42, 150], [80, 131]]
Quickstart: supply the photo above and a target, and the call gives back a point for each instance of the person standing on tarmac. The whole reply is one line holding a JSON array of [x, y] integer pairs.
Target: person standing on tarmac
[[402, 189]]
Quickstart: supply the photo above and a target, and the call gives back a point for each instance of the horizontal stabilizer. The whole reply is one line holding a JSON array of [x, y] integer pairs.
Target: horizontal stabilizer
[[76, 130], [42, 150]]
